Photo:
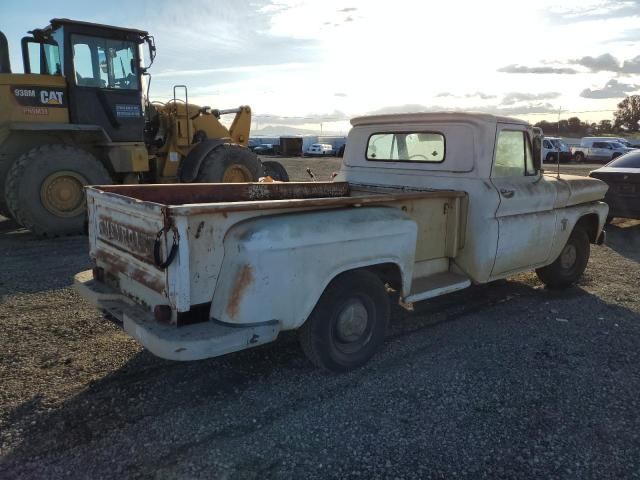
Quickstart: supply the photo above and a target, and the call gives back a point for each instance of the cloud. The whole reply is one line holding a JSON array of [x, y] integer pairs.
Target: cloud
[[605, 62], [335, 116], [612, 89], [539, 70], [481, 95], [517, 97], [339, 94], [533, 108], [347, 9], [631, 66]]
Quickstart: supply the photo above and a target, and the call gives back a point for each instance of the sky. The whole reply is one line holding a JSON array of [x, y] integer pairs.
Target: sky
[[315, 64]]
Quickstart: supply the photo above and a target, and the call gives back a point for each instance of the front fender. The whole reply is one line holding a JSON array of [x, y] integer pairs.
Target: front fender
[[277, 267]]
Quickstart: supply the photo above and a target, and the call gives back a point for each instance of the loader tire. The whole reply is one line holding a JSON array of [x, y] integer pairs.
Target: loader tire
[[275, 170], [44, 189], [230, 164], [570, 264]]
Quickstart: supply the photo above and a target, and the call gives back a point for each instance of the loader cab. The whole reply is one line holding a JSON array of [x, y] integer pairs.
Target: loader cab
[[103, 71]]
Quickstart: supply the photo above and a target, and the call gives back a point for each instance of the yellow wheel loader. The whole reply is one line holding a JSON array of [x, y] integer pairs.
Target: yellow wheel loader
[[79, 116]]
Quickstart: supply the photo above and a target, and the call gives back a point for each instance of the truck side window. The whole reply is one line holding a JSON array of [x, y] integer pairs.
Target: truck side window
[[425, 147], [513, 155]]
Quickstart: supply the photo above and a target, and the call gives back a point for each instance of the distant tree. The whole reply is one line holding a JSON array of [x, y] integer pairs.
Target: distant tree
[[605, 126], [628, 113], [575, 125], [549, 128]]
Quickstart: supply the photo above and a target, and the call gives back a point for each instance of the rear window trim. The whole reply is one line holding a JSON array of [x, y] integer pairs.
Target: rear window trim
[[419, 162]]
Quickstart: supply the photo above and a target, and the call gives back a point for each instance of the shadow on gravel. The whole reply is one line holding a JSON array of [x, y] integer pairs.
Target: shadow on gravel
[[623, 236], [219, 395]]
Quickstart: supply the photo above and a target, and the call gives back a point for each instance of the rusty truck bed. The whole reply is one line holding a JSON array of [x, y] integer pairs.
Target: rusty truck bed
[[199, 198]]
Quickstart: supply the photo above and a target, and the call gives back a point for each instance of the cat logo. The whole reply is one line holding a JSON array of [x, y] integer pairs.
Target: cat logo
[[51, 97]]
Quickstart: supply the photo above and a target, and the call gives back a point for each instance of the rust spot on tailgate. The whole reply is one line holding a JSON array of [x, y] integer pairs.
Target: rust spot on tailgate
[[115, 264], [243, 280]]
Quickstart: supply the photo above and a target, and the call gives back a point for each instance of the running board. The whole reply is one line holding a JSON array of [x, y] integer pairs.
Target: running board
[[436, 285]]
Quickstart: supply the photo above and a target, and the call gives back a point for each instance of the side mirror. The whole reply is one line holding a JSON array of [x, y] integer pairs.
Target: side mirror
[[151, 43]]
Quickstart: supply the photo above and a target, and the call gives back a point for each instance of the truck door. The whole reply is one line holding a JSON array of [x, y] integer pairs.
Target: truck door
[[600, 151], [525, 214]]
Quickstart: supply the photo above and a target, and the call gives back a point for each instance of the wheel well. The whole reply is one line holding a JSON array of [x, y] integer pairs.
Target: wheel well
[[589, 223], [389, 273]]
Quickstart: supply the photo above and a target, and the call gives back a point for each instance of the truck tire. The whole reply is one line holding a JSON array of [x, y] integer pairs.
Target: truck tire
[[230, 164], [550, 158], [570, 264], [275, 170], [578, 157], [44, 189], [349, 322]]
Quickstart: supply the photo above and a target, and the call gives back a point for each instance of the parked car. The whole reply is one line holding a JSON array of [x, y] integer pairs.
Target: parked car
[[265, 149], [598, 150], [321, 149], [552, 146], [340, 150], [404, 212], [625, 143], [623, 177]]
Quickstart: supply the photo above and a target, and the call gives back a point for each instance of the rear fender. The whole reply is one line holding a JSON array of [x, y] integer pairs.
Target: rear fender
[[191, 164], [277, 267]]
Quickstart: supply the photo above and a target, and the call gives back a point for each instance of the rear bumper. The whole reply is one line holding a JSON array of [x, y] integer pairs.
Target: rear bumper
[[191, 342]]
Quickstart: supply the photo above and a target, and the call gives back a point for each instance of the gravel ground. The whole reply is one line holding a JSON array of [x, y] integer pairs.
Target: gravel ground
[[507, 380]]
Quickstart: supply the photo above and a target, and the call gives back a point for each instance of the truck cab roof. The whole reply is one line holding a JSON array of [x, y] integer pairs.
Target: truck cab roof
[[431, 117]]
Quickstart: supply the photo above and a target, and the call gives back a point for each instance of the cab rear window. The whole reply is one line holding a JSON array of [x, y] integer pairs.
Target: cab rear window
[[421, 147]]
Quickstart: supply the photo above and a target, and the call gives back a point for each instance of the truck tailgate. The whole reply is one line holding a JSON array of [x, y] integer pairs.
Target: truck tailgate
[[122, 234]]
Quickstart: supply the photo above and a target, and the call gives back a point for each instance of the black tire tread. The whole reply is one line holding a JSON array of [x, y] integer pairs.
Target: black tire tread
[[276, 170], [17, 170], [212, 167], [552, 275], [328, 298]]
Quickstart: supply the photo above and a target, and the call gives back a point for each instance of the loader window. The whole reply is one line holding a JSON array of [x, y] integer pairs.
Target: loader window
[[105, 63], [426, 147]]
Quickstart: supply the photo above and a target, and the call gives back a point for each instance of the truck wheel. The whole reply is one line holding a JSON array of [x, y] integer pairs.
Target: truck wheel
[[349, 322], [570, 265], [275, 170], [578, 157], [550, 158], [44, 189], [230, 164]]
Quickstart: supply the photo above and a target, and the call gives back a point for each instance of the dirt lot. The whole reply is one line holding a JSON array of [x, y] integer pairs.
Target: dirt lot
[[507, 380]]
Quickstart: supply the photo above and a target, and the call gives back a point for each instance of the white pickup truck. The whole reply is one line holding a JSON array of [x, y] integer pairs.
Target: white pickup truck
[[598, 150], [424, 204]]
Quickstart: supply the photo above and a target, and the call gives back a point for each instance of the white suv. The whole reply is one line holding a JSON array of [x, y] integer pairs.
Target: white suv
[[320, 149]]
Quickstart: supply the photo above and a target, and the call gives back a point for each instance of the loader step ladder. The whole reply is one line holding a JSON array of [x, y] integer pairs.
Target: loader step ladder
[[436, 285], [183, 133]]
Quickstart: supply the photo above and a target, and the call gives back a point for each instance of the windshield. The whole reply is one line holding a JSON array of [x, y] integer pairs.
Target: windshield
[[104, 63], [559, 143]]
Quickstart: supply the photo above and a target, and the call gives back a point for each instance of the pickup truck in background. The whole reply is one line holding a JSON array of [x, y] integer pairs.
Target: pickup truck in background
[[594, 150], [424, 204]]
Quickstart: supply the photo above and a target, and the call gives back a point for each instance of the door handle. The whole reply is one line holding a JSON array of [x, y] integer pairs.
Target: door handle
[[507, 193]]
